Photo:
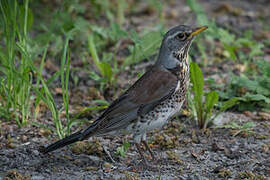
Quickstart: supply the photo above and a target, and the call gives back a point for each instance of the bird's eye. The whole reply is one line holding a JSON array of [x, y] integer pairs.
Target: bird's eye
[[181, 36]]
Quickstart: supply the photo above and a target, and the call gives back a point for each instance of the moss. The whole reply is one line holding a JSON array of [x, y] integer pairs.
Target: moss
[[174, 156], [129, 176], [90, 148], [194, 137], [91, 168], [250, 175], [223, 172], [165, 141], [260, 136], [14, 174], [45, 132], [241, 133]]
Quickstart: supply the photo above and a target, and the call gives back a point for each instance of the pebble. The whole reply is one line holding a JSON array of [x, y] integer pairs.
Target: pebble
[[37, 178]]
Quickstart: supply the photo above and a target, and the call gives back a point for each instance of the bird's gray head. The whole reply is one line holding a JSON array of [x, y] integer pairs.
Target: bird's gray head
[[175, 45]]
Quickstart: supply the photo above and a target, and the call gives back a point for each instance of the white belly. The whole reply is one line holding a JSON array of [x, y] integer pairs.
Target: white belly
[[159, 120]]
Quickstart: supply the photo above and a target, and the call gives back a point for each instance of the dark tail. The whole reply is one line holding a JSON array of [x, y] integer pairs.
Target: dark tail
[[63, 142]]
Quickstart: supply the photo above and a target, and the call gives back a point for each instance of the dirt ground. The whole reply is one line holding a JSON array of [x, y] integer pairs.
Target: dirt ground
[[184, 151]]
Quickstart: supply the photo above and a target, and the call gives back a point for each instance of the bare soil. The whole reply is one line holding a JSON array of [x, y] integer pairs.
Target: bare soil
[[184, 151]]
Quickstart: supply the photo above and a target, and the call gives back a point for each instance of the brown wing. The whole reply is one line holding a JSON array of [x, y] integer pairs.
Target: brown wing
[[153, 87]]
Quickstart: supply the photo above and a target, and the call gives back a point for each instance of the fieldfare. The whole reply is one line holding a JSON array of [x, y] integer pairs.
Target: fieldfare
[[151, 100]]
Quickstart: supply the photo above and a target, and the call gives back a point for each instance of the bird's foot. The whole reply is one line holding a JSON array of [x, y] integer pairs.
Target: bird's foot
[[108, 154], [145, 162], [154, 157]]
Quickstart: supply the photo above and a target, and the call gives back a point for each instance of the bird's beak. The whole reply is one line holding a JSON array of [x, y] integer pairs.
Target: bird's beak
[[198, 30]]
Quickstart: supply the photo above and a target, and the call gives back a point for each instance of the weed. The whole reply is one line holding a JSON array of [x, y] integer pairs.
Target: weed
[[251, 87], [232, 46], [123, 149], [203, 110], [246, 127], [253, 92], [103, 67]]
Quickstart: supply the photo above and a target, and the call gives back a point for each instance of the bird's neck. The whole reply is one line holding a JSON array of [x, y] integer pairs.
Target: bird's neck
[[181, 70], [182, 74]]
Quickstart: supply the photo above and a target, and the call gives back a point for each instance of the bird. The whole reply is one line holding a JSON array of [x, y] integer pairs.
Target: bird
[[151, 101]]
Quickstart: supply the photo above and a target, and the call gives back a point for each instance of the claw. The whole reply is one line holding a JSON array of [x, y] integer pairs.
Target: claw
[[149, 149], [141, 153]]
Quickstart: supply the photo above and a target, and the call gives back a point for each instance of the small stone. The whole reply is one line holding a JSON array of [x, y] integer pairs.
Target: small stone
[[195, 138], [265, 148], [37, 177], [91, 168], [107, 165], [24, 138], [11, 145], [224, 173], [36, 152]]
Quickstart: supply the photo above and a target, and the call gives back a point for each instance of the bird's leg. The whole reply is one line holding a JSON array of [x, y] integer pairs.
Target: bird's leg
[[141, 153], [149, 149], [108, 154]]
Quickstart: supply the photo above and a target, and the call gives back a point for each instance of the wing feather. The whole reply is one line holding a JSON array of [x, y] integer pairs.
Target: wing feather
[[152, 88]]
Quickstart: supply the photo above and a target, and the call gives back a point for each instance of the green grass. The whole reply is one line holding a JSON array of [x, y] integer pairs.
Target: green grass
[[17, 76], [122, 150], [232, 46], [31, 36], [18, 70], [23, 87], [251, 87], [203, 104], [246, 127], [103, 67]]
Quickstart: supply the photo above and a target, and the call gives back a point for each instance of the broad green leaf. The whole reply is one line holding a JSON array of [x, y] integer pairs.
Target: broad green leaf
[[196, 77], [106, 70], [229, 103], [93, 52], [256, 97], [211, 100], [248, 125]]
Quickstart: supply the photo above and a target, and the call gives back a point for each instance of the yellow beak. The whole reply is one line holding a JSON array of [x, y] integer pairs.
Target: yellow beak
[[198, 30]]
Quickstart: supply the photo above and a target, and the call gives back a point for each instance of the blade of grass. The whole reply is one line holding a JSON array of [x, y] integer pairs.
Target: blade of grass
[[49, 101], [211, 100], [37, 101], [64, 69], [93, 52], [104, 68], [196, 78]]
